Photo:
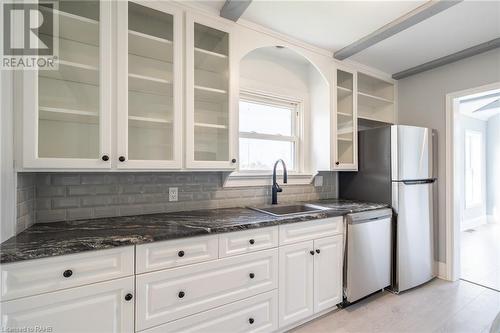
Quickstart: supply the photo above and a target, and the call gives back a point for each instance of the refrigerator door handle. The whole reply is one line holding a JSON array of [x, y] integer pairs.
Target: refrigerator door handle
[[419, 182]]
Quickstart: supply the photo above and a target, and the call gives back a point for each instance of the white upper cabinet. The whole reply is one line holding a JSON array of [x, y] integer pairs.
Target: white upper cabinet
[[66, 119], [345, 120], [210, 124], [149, 86]]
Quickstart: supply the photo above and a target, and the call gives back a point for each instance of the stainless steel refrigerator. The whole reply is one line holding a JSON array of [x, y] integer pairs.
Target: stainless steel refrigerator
[[397, 166]]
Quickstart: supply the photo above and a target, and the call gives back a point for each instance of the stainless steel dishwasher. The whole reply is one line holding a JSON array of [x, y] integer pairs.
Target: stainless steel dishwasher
[[368, 253]]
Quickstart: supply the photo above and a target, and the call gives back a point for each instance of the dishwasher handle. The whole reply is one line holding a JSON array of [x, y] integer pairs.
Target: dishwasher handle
[[368, 216]]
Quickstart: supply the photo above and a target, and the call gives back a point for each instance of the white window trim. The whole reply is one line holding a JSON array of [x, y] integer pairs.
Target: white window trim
[[264, 177], [477, 202]]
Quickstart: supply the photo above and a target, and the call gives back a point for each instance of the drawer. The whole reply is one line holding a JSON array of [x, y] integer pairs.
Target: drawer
[[174, 253], [254, 314], [172, 294], [241, 242], [303, 231], [32, 277]]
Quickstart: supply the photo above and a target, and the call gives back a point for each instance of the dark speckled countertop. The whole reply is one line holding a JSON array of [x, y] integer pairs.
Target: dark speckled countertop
[[58, 238]]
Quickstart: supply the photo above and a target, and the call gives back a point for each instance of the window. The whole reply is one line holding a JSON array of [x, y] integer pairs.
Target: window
[[268, 131], [473, 165]]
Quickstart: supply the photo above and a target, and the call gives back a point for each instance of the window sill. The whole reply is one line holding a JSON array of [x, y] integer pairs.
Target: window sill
[[243, 179]]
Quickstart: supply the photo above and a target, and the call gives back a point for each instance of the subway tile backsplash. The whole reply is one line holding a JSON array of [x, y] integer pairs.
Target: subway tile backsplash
[[51, 197]]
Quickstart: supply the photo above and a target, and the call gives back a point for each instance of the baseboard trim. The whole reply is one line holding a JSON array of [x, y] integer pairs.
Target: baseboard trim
[[473, 223]]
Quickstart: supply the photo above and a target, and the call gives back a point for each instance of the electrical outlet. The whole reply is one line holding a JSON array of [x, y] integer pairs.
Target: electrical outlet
[[173, 194], [318, 181]]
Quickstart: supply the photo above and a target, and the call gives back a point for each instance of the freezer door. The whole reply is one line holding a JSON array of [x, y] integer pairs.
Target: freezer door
[[411, 153], [413, 204]]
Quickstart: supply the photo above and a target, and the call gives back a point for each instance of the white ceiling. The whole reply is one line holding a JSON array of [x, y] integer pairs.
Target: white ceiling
[[333, 25], [488, 104]]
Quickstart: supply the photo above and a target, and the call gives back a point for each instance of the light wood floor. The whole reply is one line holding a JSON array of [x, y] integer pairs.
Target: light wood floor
[[480, 255], [438, 306]]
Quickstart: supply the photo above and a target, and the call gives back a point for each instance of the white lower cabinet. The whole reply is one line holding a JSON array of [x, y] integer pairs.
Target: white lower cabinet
[[175, 293], [101, 307], [310, 278], [255, 314]]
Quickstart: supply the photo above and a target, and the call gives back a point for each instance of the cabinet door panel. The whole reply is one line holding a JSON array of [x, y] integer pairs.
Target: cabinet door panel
[[327, 272], [67, 110], [295, 282], [149, 85], [96, 308]]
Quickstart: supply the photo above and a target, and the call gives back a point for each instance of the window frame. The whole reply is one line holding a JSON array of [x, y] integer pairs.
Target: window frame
[[296, 137], [469, 135]]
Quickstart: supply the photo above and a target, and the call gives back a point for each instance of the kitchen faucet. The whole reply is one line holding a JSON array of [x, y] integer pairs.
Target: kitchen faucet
[[276, 188]]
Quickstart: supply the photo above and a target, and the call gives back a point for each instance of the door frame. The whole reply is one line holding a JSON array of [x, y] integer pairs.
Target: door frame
[[452, 264]]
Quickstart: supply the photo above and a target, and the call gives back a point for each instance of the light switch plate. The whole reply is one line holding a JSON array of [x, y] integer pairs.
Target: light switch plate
[[173, 193], [318, 181]]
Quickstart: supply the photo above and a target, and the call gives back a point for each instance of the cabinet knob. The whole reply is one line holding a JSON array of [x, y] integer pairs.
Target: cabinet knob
[[251, 320], [311, 252], [337, 163], [318, 251], [233, 160], [67, 273], [252, 275], [121, 158], [105, 158], [252, 241], [128, 297], [181, 294], [181, 253]]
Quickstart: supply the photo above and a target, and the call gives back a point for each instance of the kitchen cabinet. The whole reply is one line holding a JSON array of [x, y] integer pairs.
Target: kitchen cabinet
[[345, 119], [101, 307], [210, 122], [149, 85], [310, 278], [66, 121]]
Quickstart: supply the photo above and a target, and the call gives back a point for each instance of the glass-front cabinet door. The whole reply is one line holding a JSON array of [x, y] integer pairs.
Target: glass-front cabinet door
[[345, 121], [209, 123], [67, 110], [149, 89]]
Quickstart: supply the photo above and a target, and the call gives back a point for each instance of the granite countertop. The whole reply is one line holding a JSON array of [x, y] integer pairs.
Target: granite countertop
[[59, 238]]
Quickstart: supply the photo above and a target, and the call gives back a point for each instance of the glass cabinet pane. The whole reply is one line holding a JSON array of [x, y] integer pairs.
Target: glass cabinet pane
[[150, 84], [345, 118], [211, 83], [68, 98]]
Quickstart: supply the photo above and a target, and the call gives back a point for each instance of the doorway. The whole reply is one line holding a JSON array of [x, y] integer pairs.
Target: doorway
[[474, 245]]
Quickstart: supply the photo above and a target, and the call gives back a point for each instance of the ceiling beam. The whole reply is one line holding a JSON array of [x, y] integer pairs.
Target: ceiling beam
[[417, 15], [469, 52], [233, 9]]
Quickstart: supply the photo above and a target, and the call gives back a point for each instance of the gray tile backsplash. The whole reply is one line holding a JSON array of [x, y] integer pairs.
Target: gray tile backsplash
[[50, 197]]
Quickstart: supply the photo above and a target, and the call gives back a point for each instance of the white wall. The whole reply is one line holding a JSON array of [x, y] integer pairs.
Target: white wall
[[421, 102], [493, 167], [473, 216]]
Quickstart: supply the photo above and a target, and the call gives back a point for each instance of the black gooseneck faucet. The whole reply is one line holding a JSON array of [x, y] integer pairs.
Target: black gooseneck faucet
[[276, 188]]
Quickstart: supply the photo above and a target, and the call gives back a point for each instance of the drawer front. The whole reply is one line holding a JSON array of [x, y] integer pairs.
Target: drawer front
[[174, 253], [303, 231], [241, 242], [100, 307], [32, 277], [168, 295], [254, 314]]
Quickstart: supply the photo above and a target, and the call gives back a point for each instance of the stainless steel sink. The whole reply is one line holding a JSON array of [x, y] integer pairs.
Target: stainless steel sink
[[287, 210]]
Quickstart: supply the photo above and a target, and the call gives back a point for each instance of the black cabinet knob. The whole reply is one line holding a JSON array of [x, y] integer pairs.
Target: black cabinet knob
[[311, 252], [233, 160], [121, 158], [252, 275], [181, 294], [251, 241], [181, 253], [318, 251], [251, 320], [337, 163], [105, 158], [128, 297], [67, 273]]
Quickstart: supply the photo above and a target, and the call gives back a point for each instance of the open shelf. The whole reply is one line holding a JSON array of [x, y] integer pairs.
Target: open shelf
[[210, 94], [67, 115], [149, 85], [343, 92], [375, 87], [207, 125], [149, 46], [210, 61], [373, 101]]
